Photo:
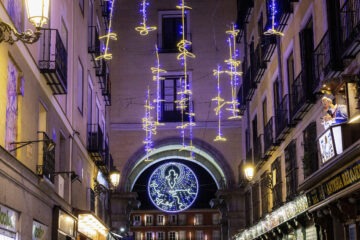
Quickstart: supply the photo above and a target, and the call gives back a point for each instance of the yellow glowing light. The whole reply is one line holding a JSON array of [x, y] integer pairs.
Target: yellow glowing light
[[149, 126], [144, 29], [108, 36], [38, 12], [220, 103], [272, 30], [91, 226], [249, 172], [156, 77], [233, 73]]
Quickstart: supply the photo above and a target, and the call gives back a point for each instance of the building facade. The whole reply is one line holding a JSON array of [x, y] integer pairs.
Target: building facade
[[205, 26], [300, 104], [190, 224], [54, 145]]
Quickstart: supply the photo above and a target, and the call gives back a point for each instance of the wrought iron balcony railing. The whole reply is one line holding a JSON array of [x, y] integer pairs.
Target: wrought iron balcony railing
[[244, 8], [258, 151], [106, 92], [268, 46], [282, 119], [102, 72], [350, 28], [47, 168], [93, 41], [53, 60], [257, 64], [106, 10], [242, 100], [301, 97], [325, 64], [269, 137], [249, 86], [95, 142]]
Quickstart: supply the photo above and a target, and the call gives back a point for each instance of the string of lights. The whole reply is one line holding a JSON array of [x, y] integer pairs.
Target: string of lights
[[272, 30], [110, 35], [156, 71], [233, 72], [220, 104], [185, 94], [143, 29], [149, 126]]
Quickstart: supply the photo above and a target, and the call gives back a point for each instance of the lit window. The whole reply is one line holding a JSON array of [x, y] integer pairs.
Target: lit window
[[199, 235], [160, 219], [198, 219], [149, 236], [160, 236], [149, 219], [137, 220], [172, 235]]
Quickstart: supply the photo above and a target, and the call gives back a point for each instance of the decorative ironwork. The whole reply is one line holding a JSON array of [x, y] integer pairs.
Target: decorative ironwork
[[301, 97], [10, 35], [282, 119], [269, 139], [47, 168], [350, 28], [93, 41], [95, 141], [53, 60]]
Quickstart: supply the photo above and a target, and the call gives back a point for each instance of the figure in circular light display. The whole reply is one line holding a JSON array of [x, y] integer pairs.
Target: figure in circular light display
[[173, 187]]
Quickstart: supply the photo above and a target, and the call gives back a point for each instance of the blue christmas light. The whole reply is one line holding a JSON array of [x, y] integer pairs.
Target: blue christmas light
[[144, 29], [173, 187], [272, 30]]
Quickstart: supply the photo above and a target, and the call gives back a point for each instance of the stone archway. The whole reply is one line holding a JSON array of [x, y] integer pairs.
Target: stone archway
[[205, 155]]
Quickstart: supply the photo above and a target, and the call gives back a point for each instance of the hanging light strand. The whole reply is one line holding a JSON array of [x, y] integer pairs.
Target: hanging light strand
[[157, 71], [149, 126], [108, 36], [272, 30], [233, 72], [143, 29], [220, 102]]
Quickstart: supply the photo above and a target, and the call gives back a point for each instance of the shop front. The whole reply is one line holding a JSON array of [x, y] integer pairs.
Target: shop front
[[64, 225], [290, 222], [8, 223], [91, 227]]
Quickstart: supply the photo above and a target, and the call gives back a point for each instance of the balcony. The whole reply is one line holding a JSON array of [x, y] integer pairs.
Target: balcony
[[258, 66], [104, 162], [284, 10], [326, 65], [106, 11], [258, 152], [53, 60], [282, 119], [269, 139], [350, 27], [268, 46], [242, 100], [301, 97], [102, 72], [47, 167], [93, 42], [243, 14], [95, 141], [106, 91], [249, 86]]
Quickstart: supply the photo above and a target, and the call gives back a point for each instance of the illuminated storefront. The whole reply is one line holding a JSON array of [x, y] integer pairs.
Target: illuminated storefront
[[64, 225], [8, 223], [91, 227]]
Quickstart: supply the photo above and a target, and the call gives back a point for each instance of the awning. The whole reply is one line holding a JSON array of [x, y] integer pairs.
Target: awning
[[91, 226]]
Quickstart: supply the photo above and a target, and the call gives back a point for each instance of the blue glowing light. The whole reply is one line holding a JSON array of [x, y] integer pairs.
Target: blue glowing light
[[173, 187]]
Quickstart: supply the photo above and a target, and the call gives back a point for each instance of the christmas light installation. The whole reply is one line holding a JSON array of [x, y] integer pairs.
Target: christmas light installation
[[173, 187], [109, 36], [220, 104], [272, 30], [149, 126], [157, 71], [185, 94], [144, 29], [233, 72]]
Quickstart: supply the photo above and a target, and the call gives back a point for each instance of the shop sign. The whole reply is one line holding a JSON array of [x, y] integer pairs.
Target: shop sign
[[39, 231], [8, 218], [340, 181], [275, 218]]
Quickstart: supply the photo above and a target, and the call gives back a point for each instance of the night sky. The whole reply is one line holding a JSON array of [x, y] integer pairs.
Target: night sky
[[207, 185]]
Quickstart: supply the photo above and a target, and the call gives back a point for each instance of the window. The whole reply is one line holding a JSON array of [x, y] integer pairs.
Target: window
[[276, 95], [256, 202], [90, 102], [172, 235], [182, 219], [310, 159], [264, 110], [12, 106], [198, 219], [199, 235], [291, 170], [15, 9], [80, 86], [247, 208], [160, 236], [172, 219], [216, 235], [170, 27], [182, 235], [137, 220], [149, 220], [215, 218], [138, 236], [307, 55], [149, 236], [276, 184], [290, 71], [256, 141], [265, 184], [170, 88], [160, 219]]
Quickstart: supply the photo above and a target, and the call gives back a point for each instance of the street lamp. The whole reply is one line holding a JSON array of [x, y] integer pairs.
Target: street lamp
[[38, 15], [249, 172], [114, 177]]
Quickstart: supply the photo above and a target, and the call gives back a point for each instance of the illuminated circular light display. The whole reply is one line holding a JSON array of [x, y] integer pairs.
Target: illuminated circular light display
[[173, 187]]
